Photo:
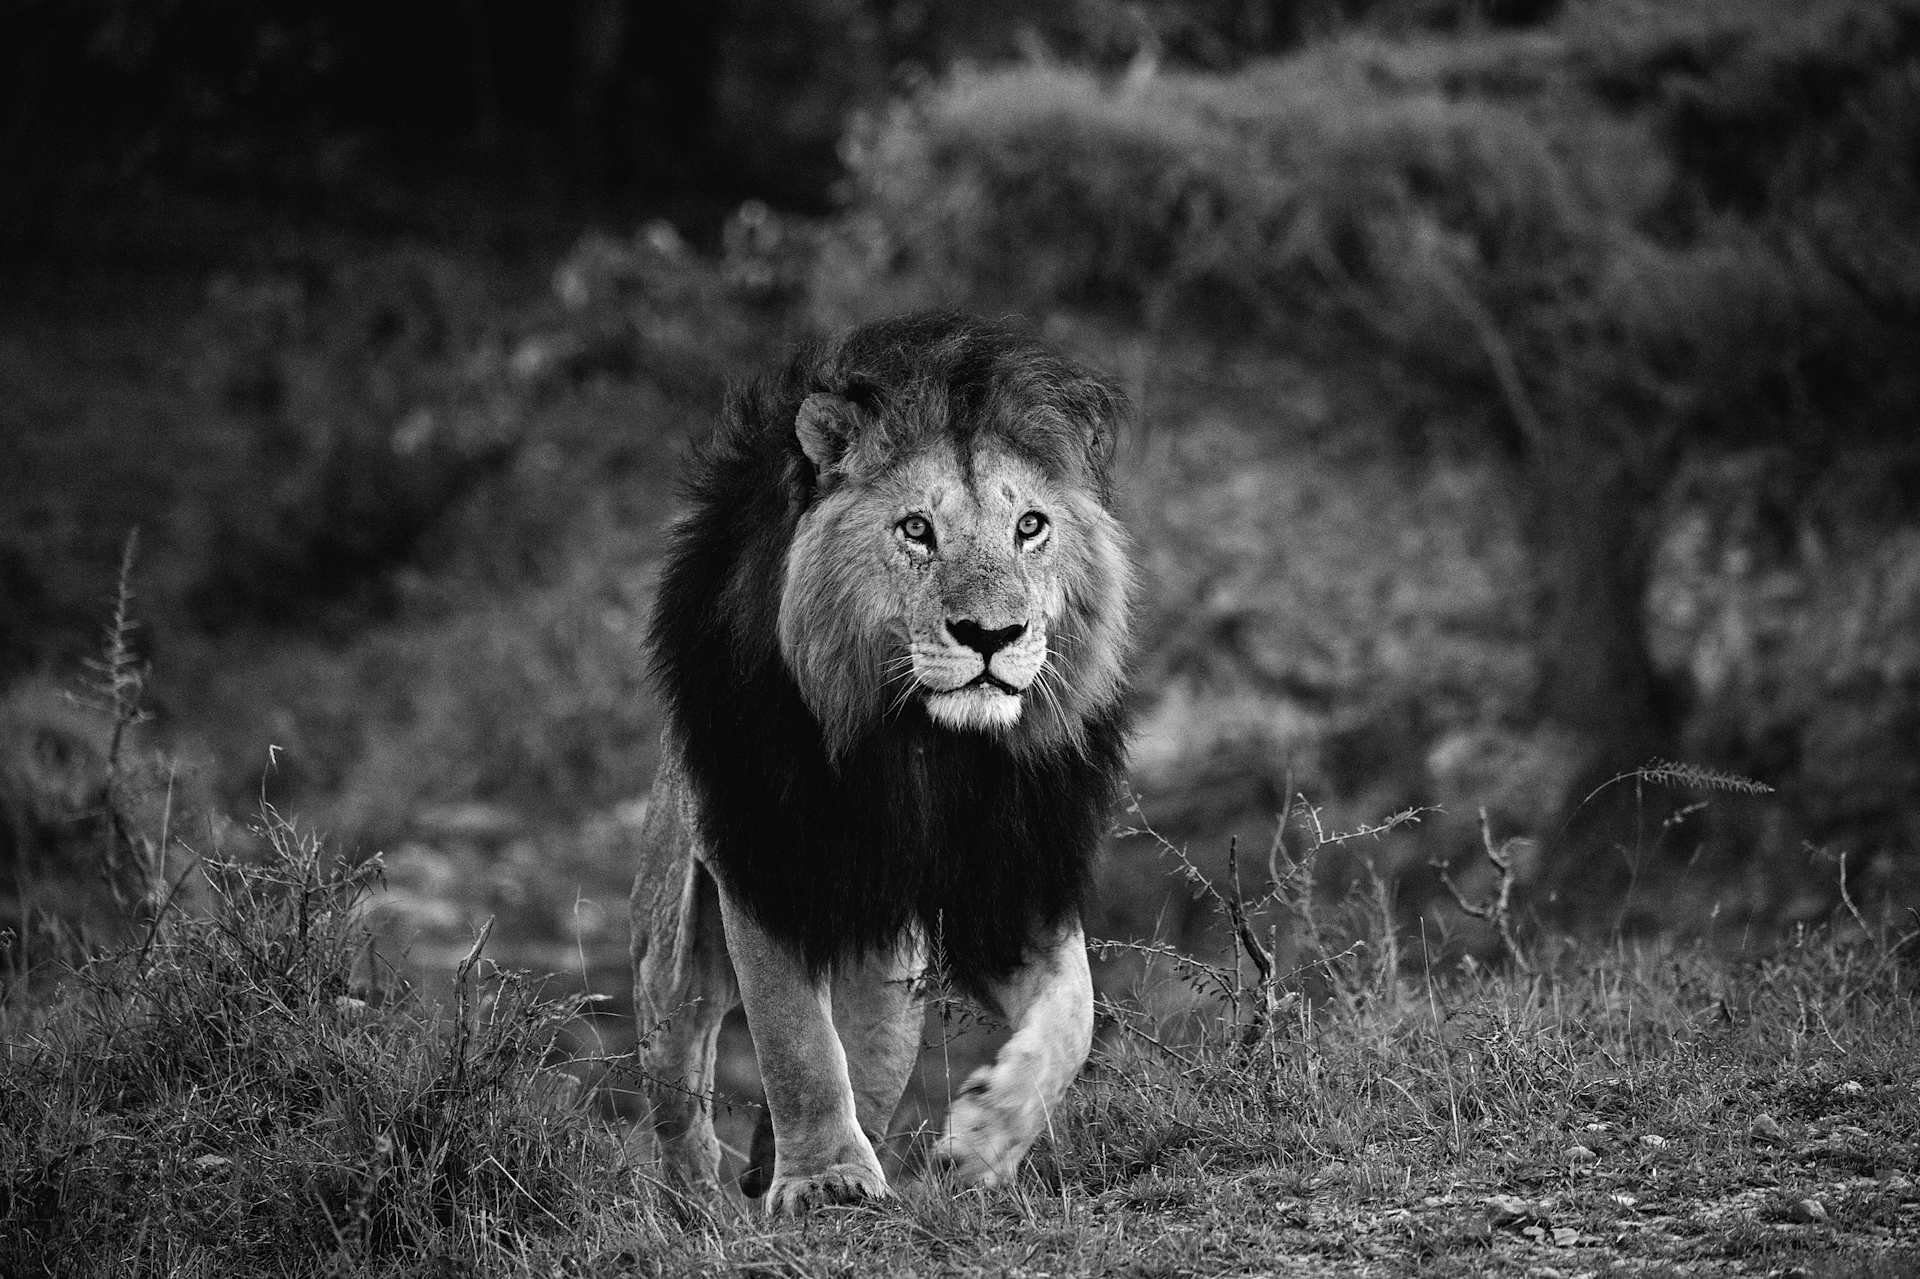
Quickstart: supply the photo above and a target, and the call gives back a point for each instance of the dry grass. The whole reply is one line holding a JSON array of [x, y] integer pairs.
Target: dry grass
[[246, 1089], [245, 1085]]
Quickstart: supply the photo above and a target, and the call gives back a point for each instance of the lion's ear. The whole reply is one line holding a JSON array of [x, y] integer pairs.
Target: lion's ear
[[1105, 409], [825, 427]]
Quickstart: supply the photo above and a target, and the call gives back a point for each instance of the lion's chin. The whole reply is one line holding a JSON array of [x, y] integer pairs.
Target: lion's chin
[[976, 708]]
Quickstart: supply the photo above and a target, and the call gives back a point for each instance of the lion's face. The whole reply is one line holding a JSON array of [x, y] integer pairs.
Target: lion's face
[[976, 584], [973, 576]]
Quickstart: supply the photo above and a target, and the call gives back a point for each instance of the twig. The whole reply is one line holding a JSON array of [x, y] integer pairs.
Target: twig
[[463, 995], [1846, 896], [1256, 1028], [1498, 911], [1695, 776], [1127, 1020]]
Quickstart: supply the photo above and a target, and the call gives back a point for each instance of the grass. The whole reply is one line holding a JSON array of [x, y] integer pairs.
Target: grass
[[240, 1081], [244, 1090], [246, 1087]]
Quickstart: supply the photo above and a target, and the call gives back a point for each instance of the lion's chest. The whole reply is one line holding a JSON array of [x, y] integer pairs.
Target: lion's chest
[[920, 828]]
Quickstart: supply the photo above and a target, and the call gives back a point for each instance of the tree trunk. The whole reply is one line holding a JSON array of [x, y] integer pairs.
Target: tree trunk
[[1593, 522]]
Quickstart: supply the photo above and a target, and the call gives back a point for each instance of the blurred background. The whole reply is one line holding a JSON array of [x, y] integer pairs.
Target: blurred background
[[1526, 394]]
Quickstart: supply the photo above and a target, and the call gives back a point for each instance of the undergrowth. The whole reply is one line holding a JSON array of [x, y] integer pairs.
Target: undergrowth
[[243, 1085], [246, 1089]]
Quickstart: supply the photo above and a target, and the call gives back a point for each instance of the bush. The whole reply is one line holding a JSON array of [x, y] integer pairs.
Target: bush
[[367, 397], [1561, 248], [245, 1091], [1603, 219]]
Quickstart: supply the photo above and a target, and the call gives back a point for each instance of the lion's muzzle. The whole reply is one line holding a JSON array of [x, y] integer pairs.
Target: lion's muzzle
[[976, 676], [983, 641]]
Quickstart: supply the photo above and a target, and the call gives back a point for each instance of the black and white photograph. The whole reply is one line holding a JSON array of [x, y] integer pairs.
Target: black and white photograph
[[1144, 639]]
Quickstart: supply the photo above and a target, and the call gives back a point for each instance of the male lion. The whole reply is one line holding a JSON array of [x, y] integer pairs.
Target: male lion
[[891, 637]]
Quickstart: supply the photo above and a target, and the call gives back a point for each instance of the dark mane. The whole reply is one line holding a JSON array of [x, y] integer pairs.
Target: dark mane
[[915, 823]]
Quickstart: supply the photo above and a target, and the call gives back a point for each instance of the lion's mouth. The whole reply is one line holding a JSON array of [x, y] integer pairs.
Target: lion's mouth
[[984, 703], [986, 679]]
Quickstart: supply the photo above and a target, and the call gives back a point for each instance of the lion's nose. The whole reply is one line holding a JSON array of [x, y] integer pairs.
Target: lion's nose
[[981, 640]]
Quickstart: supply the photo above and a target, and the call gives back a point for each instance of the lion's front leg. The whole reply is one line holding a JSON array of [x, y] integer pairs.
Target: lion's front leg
[[683, 989], [1006, 1105], [878, 1016], [820, 1154]]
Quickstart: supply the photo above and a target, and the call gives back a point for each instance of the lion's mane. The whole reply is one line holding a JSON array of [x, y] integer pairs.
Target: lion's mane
[[838, 846]]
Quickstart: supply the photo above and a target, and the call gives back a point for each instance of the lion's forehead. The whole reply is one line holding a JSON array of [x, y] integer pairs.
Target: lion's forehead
[[984, 487]]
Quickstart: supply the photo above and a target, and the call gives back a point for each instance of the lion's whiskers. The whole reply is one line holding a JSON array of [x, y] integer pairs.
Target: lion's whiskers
[[1044, 679], [902, 668]]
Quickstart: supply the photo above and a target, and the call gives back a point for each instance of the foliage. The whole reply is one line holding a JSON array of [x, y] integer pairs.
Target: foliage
[[435, 485], [1560, 248], [90, 811], [246, 1089], [372, 388], [1596, 223], [291, 99]]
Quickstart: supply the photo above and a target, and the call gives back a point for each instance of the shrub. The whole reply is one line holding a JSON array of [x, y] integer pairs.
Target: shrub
[[1561, 248], [244, 1090], [1624, 206], [90, 810]]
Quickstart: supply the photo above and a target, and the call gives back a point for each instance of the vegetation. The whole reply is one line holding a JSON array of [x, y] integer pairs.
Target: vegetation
[[1526, 397], [247, 1088], [1565, 243], [1478, 309], [586, 103]]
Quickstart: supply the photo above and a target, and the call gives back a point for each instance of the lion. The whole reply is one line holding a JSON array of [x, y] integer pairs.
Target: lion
[[891, 639]]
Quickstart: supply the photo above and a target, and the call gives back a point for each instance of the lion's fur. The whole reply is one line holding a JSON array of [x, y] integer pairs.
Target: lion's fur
[[830, 802]]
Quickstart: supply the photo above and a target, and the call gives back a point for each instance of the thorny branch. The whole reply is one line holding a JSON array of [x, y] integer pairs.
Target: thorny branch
[[1290, 889], [1499, 910]]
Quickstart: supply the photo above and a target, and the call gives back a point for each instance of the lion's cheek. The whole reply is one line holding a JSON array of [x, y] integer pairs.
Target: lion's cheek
[[1050, 599], [1021, 663], [840, 619]]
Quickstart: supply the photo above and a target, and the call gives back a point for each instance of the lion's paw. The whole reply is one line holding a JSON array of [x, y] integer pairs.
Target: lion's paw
[[837, 1184], [987, 1133]]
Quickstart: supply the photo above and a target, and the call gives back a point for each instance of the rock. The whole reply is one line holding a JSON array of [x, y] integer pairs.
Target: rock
[[1508, 1210], [1565, 1236], [1653, 1141], [1611, 1093], [1808, 1212]]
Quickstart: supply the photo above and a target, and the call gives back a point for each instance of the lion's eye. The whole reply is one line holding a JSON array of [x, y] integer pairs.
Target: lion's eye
[[915, 528], [1030, 525]]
